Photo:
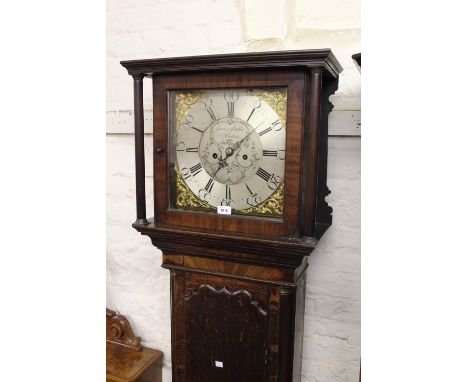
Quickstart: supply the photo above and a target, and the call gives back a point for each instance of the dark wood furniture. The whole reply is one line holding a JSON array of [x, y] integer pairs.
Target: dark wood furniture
[[357, 60], [126, 359], [238, 282]]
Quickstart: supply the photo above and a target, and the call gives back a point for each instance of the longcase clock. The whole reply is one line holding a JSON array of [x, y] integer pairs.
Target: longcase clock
[[240, 168]]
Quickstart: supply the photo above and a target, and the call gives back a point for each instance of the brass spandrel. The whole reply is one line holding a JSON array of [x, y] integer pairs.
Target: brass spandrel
[[184, 102], [273, 206], [277, 99], [186, 199]]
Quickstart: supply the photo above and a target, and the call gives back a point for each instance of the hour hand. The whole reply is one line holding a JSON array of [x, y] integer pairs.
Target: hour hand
[[222, 163], [219, 167]]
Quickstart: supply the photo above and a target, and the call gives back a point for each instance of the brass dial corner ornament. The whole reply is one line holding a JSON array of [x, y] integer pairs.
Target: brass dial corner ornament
[[230, 150], [277, 99], [186, 198], [184, 102]]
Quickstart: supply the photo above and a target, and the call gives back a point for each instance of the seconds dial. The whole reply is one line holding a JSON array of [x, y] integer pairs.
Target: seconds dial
[[231, 149]]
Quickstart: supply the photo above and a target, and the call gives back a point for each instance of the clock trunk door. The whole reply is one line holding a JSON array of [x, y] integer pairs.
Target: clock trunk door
[[226, 332]]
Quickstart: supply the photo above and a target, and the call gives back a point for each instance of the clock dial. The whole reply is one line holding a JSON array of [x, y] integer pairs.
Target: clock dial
[[230, 149]]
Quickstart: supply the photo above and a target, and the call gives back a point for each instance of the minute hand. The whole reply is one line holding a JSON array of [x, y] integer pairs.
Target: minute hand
[[237, 145]]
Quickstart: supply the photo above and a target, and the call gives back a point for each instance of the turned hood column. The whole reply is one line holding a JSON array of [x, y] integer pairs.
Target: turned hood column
[[139, 149], [311, 155]]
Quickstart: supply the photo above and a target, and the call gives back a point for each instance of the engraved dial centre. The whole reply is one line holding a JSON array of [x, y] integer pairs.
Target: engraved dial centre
[[230, 150]]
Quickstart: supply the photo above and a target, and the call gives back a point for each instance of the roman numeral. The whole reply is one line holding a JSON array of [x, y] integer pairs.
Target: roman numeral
[[228, 192], [185, 173], [248, 188], [267, 130], [200, 131], [209, 185], [253, 110], [230, 106], [210, 112], [277, 125], [181, 147], [270, 153], [196, 169], [250, 115], [263, 174]]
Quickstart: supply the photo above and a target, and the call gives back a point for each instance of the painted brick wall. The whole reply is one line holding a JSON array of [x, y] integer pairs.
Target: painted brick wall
[[136, 284]]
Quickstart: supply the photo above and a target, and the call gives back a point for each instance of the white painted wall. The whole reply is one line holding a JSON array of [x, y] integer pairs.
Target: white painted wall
[[136, 284]]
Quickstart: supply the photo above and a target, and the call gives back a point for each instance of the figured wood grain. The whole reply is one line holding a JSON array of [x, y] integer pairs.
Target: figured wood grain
[[289, 225], [239, 269], [125, 365], [311, 152], [280, 275]]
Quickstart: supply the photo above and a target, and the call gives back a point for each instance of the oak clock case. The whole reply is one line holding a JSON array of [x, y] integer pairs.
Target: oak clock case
[[246, 131]]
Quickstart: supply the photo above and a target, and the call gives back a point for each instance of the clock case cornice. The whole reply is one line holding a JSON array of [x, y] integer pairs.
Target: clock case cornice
[[312, 58]]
